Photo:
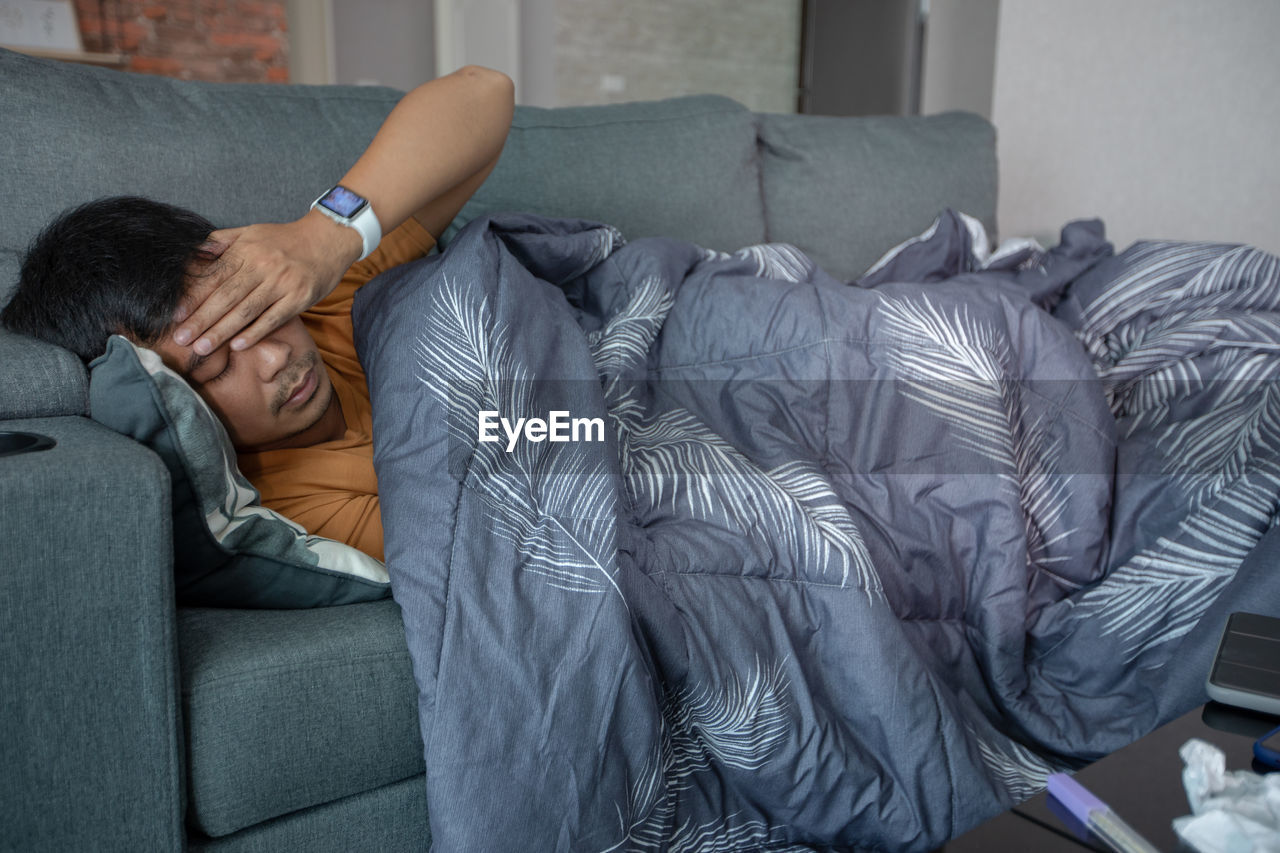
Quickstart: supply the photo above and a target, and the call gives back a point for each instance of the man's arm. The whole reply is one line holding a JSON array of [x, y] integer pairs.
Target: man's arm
[[433, 151]]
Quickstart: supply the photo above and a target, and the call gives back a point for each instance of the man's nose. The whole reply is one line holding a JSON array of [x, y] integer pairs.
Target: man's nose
[[271, 355]]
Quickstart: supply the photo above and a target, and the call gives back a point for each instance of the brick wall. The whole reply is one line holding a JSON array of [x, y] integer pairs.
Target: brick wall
[[242, 41]]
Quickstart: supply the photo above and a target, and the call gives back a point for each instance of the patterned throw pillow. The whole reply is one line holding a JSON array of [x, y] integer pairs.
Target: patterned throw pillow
[[229, 551]]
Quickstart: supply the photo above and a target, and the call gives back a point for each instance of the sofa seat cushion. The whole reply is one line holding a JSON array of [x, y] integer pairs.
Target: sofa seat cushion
[[288, 709]]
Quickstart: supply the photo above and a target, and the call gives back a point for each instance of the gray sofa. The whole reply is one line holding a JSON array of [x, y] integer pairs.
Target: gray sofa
[[133, 724]]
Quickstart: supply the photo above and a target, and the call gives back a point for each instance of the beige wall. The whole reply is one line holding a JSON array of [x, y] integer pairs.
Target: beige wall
[[614, 50], [1160, 116], [387, 42], [959, 56]]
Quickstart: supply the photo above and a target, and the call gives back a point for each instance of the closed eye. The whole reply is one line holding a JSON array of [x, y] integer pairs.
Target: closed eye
[[198, 362], [226, 368]]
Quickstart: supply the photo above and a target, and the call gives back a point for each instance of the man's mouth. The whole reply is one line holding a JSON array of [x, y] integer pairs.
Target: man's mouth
[[303, 392], [299, 393]]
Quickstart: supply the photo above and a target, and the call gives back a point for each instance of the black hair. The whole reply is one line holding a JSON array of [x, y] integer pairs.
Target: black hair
[[118, 265]]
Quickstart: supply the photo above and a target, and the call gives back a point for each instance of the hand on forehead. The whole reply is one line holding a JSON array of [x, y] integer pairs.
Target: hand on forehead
[[265, 276]]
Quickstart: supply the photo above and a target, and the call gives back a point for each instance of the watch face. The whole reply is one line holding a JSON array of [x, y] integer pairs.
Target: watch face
[[342, 201]]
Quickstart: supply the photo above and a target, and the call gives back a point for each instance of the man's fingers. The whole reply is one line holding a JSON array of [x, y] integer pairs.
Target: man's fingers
[[210, 297], [199, 287], [270, 320], [204, 280], [232, 322], [226, 309], [264, 275]]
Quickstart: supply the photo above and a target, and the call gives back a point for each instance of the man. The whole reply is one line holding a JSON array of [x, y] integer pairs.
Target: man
[[258, 319]]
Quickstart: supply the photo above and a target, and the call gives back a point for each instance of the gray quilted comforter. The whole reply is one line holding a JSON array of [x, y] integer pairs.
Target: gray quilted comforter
[[792, 563]]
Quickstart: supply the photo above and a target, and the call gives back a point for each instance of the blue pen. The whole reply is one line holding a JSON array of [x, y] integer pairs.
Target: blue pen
[[1105, 824]]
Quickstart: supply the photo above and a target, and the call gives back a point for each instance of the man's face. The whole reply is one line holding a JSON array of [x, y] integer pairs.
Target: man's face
[[274, 394]]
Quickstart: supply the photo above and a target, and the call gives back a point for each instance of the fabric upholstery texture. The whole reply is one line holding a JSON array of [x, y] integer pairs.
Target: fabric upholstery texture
[[79, 634], [10, 263], [233, 551], [289, 709], [679, 163], [845, 190], [39, 380], [391, 819]]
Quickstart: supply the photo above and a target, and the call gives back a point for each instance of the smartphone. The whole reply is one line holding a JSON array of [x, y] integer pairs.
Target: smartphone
[[1267, 749], [1246, 669]]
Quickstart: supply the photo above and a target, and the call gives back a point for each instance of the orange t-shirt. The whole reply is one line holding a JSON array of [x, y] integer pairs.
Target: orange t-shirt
[[330, 488]]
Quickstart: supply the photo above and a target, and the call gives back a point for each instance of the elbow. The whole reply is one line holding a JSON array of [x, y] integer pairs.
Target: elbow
[[494, 82], [497, 92]]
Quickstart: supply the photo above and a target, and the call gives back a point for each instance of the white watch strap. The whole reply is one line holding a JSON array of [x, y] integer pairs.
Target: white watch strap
[[365, 222]]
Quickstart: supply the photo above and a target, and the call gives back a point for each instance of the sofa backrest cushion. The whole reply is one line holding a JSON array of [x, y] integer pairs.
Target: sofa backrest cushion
[[701, 168], [684, 167], [846, 190], [235, 153]]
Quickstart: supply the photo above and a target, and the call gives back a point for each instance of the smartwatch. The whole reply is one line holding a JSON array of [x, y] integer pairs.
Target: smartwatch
[[354, 211]]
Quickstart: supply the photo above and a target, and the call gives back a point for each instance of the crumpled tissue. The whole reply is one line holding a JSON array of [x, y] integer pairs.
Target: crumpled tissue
[[1231, 812]]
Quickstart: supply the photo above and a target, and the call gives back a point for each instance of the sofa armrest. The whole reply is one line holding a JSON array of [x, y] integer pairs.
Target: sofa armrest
[[40, 380], [91, 752]]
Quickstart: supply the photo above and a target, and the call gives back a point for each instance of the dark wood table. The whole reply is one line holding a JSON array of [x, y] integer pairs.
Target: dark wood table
[[1142, 783]]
